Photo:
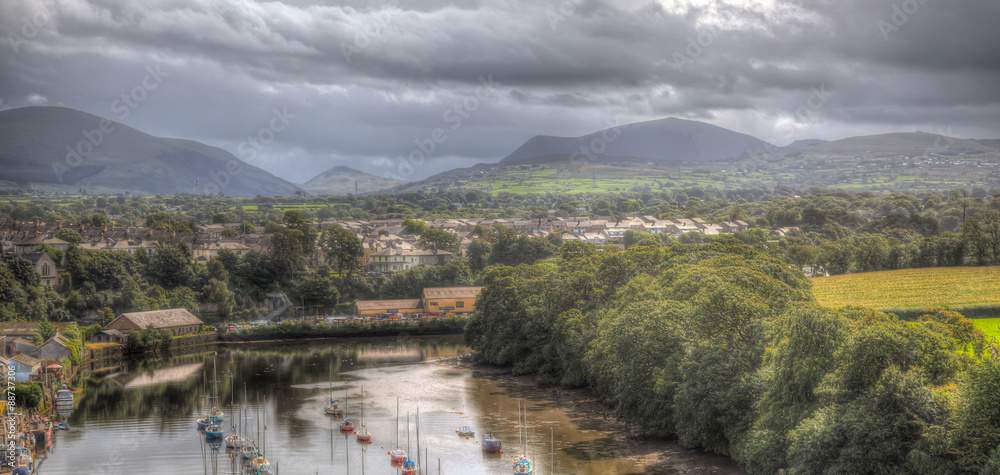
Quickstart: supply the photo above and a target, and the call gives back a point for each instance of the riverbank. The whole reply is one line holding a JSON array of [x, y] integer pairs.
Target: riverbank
[[654, 454]]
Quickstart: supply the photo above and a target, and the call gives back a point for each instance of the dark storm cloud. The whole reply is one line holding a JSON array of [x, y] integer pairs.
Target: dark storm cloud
[[368, 82]]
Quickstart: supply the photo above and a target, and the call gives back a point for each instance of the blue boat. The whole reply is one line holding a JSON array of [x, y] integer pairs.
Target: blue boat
[[214, 431], [522, 466], [491, 444]]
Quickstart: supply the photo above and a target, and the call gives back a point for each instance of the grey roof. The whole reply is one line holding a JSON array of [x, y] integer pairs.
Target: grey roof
[[173, 317]]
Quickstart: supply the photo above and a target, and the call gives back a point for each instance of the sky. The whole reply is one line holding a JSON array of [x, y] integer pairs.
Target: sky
[[407, 89]]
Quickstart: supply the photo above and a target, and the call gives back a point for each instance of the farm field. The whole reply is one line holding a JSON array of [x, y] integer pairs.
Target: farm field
[[989, 326], [912, 288]]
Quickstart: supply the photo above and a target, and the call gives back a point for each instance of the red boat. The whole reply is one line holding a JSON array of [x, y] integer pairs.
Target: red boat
[[398, 456], [347, 426]]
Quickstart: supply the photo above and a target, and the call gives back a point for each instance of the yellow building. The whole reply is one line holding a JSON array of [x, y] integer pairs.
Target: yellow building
[[379, 307], [450, 299]]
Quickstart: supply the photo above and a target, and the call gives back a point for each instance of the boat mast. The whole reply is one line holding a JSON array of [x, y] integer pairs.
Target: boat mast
[[407, 433], [257, 412], [418, 437], [397, 422], [518, 422]]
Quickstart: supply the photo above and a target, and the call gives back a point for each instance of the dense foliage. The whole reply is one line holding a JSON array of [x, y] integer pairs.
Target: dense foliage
[[724, 348], [27, 395]]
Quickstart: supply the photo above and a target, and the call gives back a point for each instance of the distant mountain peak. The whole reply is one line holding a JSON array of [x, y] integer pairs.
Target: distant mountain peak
[[64, 150], [662, 140], [342, 179]]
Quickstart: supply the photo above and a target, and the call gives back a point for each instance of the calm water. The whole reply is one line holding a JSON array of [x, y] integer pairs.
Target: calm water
[[141, 419]]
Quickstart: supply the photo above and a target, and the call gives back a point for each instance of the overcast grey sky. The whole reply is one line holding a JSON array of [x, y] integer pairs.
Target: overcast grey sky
[[361, 83]]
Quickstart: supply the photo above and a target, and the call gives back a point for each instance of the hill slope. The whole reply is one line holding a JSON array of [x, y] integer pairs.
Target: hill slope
[[64, 150], [902, 143], [343, 180], [664, 140]]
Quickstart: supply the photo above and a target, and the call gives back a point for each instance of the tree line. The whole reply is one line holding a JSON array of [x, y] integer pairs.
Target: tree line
[[723, 347]]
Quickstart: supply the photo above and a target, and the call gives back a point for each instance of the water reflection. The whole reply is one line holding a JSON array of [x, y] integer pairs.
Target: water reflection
[[139, 417]]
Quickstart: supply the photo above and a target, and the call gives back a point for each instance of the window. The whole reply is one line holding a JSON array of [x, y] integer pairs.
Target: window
[[45, 269], [433, 304], [460, 304]]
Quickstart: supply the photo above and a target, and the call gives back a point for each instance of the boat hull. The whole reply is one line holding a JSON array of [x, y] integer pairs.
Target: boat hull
[[398, 456]]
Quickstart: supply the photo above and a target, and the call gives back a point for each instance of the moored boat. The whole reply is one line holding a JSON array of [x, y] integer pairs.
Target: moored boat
[[397, 454], [24, 463], [347, 426], [363, 435], [522, 466], [492, 445], [214, 431], [465, 431], [40, 427], [64, 400], [410, 468]]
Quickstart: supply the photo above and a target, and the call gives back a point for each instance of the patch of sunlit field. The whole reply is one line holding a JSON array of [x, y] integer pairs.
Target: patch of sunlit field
[[952, 287]]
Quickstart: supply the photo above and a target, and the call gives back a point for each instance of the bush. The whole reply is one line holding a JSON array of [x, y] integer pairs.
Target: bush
[[28, 395]]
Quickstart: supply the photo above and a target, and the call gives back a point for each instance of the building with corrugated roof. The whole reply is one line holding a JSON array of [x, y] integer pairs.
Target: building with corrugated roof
[[179, 321]]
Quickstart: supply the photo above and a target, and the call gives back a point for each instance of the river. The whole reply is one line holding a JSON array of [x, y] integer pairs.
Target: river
[[141, 419]]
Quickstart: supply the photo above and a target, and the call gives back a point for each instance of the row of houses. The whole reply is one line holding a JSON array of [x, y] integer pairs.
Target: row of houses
[[388, 247]]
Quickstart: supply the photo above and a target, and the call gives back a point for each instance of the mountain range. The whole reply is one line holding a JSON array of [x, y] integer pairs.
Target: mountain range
[[65, 150]]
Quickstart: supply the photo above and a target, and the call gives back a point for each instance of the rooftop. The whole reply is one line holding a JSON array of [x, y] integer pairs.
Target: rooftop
[[162, 318], [388, 304], [451, 292]]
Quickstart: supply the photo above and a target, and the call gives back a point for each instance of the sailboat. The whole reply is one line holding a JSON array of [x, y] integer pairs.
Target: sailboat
[[363, 435], [409, 466], [259, 463], [214, 430], [234, 440], [332, 409], [398, 455], [348, 425], [248, 449], [522, 464]]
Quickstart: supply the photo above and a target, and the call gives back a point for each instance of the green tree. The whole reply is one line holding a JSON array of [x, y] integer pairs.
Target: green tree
[[343, 248], [415, 226], [317, 290], [976, 242], [105, 316], [217, 292], [69, 235], [45, 331], [977, 432], [23, 271], [170, 267], [28, 395], [286, 254], [478, 254], [439, 239]]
